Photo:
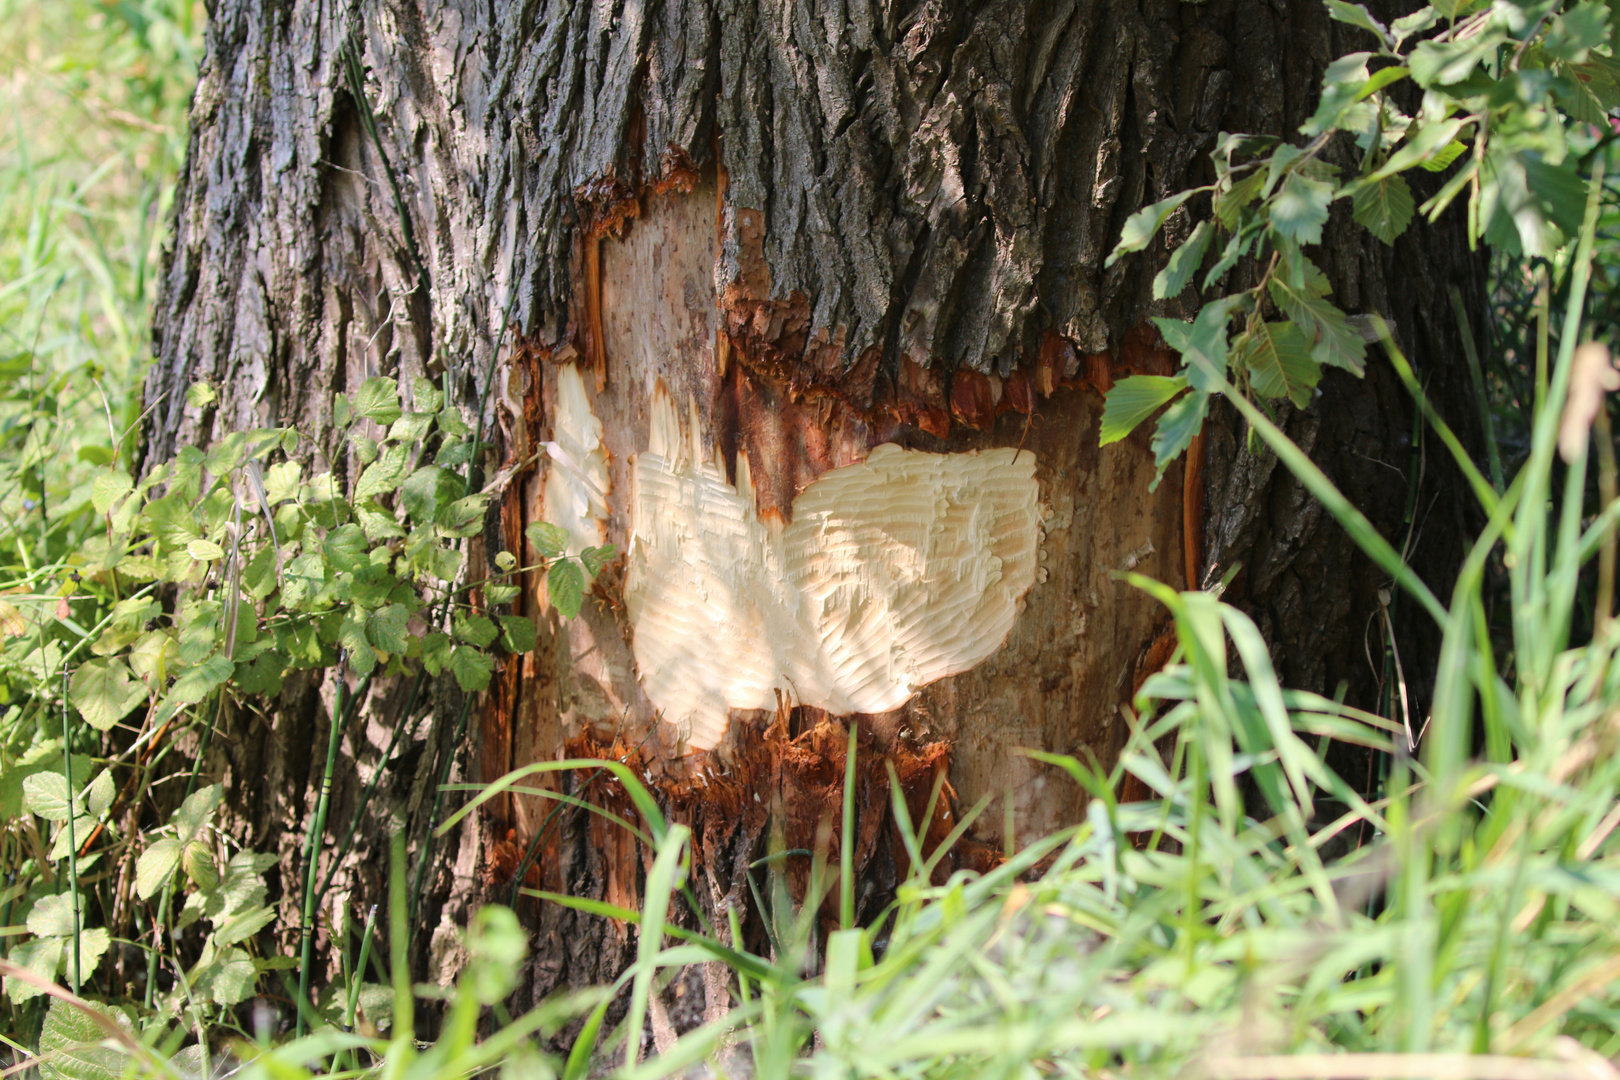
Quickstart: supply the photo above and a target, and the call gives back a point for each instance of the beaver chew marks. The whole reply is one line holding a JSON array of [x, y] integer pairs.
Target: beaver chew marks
[[577, 483], [892, 574]]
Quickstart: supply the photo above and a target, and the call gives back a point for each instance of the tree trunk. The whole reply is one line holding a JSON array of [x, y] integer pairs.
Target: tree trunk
[[717, 252]]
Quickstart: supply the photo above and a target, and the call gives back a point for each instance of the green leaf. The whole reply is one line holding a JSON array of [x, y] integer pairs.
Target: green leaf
[[352, 637], [151, 655], [199, 680], [1134, 399], [464, 517], [517, 634], [104, 692], [281, 482], [205, 550], [346, 548], [1357, 15], [1300, 208], [383, 476], [471, 668], [436, 652], [99, 795], [46, 794], [410, 427], [566, 584], [1184, 262], [378, 399], [1342, 85], [72, 1046], [342, 411], [1279, 362], [387, 628], [171, 521], [426, 396], [1204, 339], [1178, 426], [1384, 207], [241, 926], [1333, 342], [155, 866], [475, 630], [201, 394], [108, 488], [52, 916], [63, 844], [1572, 34], [198, 860], [500, 594], [42, 957], [551, 541], [1443, 157], [1142, 226], [230, 978], [1230, 203], [595, 558], [505, 561], [197, 811], [420, 493], [1442, 63]]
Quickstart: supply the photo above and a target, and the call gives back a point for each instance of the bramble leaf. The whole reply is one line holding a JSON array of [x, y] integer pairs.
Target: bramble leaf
[[103, 692], [566, 584], [549, 540]]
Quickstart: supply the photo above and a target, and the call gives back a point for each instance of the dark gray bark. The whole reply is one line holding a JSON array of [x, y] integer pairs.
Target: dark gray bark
[[901, 201]]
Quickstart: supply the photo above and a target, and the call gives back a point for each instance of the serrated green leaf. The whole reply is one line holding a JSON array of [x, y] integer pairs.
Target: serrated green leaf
[[505, 561], [198, 860], [1384, 207], [497, 593], [201, 394], [1142, 226], [1357, 15], [566, 585], [64, 842], [281, 482], [464, 517], [475, 630], [52, 916], [387, 628], [1333, 343], [1300, 209], [42, 957], [410, 427], [346, 549], [199, 680], [595, 558], [230, 978], [46, 794], [241, 926], [197, 811], [1279, 362], [1184, 262], [1177, 428], [420, 493], [378, 399], [150, 657], [205, 550], [383, 476], [103, 692], [517, 634], [436, 652], [549, 540], [471, 668], [1134, 399], [155, 866], [108, 488], [426, 396]]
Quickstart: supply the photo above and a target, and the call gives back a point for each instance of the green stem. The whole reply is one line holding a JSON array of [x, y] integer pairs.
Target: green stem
[[73, 847], [312, 844]]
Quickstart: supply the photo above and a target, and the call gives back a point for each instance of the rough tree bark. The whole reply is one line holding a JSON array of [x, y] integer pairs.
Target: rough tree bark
[[818, 227]]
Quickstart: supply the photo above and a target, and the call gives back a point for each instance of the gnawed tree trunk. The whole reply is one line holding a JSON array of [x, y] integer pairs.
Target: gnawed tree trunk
[[756, 242]]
